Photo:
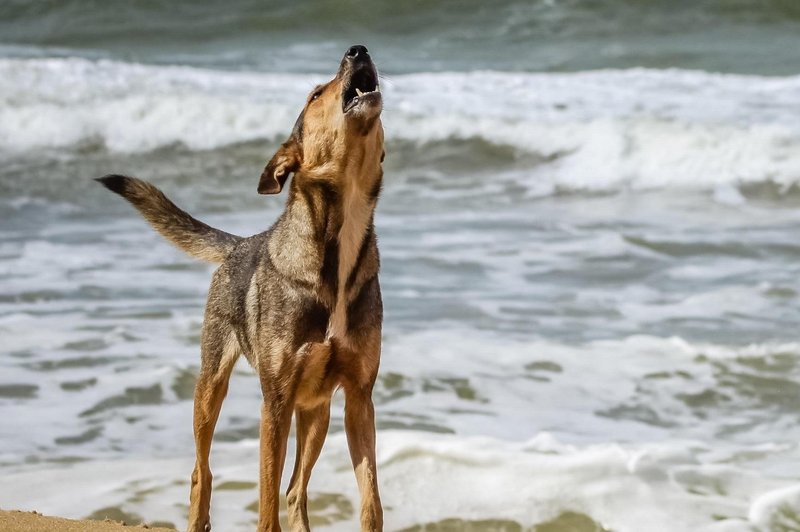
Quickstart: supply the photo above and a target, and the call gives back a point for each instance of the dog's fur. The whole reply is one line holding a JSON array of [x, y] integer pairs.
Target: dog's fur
[[301, 301]]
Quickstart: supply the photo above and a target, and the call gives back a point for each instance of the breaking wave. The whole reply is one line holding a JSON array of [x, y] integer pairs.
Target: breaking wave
[[598, 130]]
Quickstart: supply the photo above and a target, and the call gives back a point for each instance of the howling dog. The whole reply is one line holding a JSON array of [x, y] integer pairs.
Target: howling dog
[[301, 301]]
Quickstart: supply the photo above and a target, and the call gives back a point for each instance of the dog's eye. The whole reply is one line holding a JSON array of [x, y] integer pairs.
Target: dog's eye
[[316, 95]]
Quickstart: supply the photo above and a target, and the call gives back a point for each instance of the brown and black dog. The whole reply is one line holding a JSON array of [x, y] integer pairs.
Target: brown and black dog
[[301, 301]]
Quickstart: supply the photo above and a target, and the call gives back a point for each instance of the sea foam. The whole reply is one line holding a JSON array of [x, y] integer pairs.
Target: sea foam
[[470, 483], [600, 130]]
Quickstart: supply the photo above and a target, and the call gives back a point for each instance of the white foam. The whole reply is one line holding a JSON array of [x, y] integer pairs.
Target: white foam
[[653, 487], [71, 102], [777, 509], [635, 388], [603, 130]]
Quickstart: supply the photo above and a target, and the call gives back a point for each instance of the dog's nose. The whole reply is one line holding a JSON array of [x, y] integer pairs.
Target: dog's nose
[[357, 51]]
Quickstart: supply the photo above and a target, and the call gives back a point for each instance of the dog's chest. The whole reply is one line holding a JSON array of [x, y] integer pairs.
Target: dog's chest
[[357, 214]]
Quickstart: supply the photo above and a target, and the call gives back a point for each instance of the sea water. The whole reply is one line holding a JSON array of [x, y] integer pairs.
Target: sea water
[[589, 241]]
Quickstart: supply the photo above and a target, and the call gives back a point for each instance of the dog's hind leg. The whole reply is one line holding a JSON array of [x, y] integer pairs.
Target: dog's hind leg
[[219, 353], [312, 427]]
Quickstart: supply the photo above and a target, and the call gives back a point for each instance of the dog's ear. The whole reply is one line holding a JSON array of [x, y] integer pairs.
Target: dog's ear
[[285, 161]]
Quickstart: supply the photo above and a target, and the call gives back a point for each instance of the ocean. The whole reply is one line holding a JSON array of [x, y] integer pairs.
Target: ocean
[[590, 257]]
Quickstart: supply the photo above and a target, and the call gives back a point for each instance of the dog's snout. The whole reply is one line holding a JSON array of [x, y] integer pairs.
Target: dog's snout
[[357, 52]]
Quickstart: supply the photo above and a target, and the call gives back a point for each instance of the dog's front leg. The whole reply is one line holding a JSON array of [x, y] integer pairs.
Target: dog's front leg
[[312, 427], [359, 423], [276, 418]]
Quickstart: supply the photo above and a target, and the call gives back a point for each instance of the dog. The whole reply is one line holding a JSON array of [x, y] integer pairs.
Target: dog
[[301, 301]]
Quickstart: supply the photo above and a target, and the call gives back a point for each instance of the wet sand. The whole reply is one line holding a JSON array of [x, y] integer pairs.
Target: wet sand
[[14, 521]]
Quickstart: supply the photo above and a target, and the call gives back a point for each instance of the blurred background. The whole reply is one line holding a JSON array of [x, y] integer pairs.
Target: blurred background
[[589, 235]]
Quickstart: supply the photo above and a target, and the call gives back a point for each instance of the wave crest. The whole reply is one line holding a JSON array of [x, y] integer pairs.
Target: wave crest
[[594, 130]]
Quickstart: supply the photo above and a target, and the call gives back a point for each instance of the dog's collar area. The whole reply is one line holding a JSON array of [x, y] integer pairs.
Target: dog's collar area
[[362, 87]]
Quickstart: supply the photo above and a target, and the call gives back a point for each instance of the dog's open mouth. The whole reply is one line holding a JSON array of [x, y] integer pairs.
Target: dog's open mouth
[[362, 87]]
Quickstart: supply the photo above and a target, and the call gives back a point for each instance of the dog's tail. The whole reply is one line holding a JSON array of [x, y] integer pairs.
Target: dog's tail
[[192, 236]]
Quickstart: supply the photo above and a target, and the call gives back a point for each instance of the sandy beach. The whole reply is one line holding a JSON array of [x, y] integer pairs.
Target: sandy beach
[[14, 521]]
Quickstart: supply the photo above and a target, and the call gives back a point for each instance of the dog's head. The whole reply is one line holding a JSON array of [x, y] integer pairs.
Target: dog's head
[[339, 131]]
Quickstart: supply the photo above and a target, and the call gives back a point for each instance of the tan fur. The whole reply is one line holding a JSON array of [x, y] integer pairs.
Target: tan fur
[[301, 301], [359, 210]]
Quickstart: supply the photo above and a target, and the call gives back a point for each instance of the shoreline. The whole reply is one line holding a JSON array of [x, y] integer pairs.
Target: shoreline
[[22, 521]]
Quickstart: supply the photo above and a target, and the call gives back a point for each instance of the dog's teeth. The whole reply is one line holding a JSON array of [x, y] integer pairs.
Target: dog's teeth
[[358, 91], [377, 88]]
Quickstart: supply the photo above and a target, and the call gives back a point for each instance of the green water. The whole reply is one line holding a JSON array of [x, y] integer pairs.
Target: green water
[[746, 36]]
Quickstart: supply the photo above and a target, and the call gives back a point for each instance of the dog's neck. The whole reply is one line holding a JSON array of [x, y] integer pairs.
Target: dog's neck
[[326, 231], [358, 200]]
